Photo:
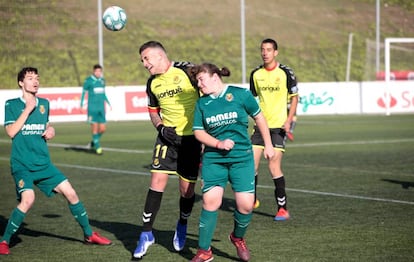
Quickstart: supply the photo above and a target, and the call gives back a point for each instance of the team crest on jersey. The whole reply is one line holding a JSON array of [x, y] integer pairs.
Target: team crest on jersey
[[156, 163], [42, 109], [21, 183], [176, 80], [229, 97]]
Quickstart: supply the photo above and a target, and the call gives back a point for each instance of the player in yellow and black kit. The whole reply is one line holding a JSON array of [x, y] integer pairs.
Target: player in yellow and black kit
[[274, 84], [172, 98]]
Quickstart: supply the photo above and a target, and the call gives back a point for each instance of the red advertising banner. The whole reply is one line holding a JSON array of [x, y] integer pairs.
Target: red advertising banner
[[397, 75], [136, 102], [64, 103]]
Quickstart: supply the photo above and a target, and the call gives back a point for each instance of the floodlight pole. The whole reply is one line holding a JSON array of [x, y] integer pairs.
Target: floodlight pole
[[348, 64], [377, 53], [100, 38], [243, 38]]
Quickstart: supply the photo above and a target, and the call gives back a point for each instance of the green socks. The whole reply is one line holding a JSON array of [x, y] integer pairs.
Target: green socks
[[79, 213], [241, 222], [96, 140], [13, 224], [17, 217], [208, 221]]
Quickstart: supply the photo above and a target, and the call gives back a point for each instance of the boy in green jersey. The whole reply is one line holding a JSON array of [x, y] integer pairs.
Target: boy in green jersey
[[27, 124], [94, 85], [221, 121]]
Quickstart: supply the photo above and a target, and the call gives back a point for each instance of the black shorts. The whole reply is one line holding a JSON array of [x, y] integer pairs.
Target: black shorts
[[278, 136], [182, 159]]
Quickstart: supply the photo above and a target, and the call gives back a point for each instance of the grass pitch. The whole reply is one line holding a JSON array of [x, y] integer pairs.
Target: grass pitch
[[350, 187]]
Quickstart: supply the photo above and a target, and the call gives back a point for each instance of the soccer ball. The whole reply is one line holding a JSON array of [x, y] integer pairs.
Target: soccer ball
[[114, 18]]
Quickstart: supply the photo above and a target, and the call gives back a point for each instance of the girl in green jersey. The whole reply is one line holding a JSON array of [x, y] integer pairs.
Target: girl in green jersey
[[221, 122]]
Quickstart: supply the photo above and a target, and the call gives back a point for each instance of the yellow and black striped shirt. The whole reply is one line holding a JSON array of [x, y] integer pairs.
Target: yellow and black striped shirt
[[174, 96], [274, 88]]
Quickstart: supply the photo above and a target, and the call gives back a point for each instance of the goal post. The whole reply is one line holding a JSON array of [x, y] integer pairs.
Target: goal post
[[387, 64]]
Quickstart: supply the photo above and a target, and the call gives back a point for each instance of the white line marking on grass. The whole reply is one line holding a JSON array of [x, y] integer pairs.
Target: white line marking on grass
[[268, 187], [118, 150], [343, 195], [354, 171], [291, 145], [69, 146], [109, 170], [118, 171], [341, 143]]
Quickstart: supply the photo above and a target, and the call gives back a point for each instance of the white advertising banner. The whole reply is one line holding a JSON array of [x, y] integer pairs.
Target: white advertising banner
[[324, 98], [397, 97], [327, 98]]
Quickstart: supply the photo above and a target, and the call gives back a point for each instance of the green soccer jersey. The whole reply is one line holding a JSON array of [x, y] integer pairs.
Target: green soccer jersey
[[96, 93], [227, 117], [29, 148]]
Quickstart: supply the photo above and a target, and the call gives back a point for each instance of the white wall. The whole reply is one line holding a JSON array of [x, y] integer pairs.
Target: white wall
[[325, 98]]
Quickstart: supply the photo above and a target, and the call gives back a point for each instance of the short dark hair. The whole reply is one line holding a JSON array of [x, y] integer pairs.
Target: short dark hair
[[24, 71], [151, 44], [97, 66], [270, 41]]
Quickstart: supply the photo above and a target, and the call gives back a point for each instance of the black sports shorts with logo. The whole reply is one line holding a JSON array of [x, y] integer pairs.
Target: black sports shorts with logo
[[181, 158], [278, 136]]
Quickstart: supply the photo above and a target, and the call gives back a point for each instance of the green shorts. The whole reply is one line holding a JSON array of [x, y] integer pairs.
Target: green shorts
[[46, 180], [96, 116], [239, 174]]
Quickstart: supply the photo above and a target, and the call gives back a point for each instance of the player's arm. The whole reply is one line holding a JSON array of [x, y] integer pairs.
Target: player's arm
[[210, 141], [292, 85], [107, 100], [205, 138], [13, 128], [167, 132], [82, 98], [155, 117], [153, 105], [292, 111], [252, 84], [294, 100], [187, 68], [84, 91]]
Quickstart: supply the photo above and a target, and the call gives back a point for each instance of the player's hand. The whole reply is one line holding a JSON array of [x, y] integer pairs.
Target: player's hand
[[30, 103], [49, 133], [167, 133], [226, 144], [269, 152], [82, 109], [286, 126]]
